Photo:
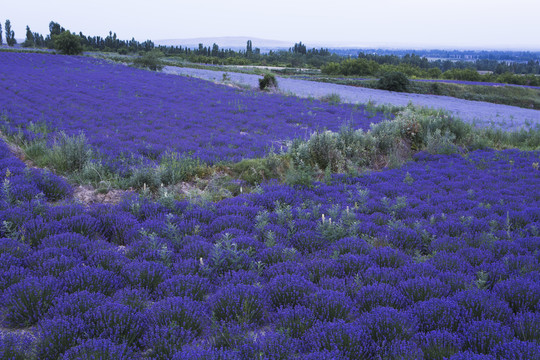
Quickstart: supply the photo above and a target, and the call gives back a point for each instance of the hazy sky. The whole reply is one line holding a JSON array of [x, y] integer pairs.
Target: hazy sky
[[482, 24]]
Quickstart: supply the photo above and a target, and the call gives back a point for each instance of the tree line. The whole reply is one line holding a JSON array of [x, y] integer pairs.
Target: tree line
[[411, 66], [71, 43], [299, 55]]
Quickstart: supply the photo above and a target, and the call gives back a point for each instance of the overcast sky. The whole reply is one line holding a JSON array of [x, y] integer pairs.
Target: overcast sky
[[484, 24]]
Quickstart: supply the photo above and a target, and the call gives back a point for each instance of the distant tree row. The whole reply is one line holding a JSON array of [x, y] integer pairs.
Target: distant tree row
[[412, 62], [336, 62], [366, 66], [298, 55], [75, 41]]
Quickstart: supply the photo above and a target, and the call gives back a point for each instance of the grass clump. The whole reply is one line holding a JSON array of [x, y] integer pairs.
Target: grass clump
[[256, 171], [333, 98], [69, 153], [175, 168]]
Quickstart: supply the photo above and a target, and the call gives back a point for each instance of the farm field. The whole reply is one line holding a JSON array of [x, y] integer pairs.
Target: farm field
[[527, 97], [125, 111], [435, 259], [480, 113]]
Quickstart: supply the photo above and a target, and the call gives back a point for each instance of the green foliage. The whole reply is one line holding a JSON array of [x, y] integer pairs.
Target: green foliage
[[267, 82], [322, 149], [462, 74], [389, 143], [331, 68], [434, 73], [226, 256], [150, 60], [393, 81], [352, 67], [509, 95], [10, 35], [37, 151], [360, 67], [332, 98], [525, 139], [253, 171], [441, 143], [69, 153], [68, 43], [175, 168], [301, 175], [144, 178], [29, 41]]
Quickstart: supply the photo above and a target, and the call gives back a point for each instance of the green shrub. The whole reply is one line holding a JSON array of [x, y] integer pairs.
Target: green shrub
[[441, 142], [393, 81], [323, 150], [175, 168], [253, 171], [331, 68], [300, 175], [150, 60], [268, 81], [144, 177], [37, 151], [332, 98], [69, 153], [462, 74], [435, 88]]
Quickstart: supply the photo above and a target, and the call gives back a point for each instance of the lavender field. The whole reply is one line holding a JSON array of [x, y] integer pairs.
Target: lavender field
[[480, 113], [127, 112], [435, 259]]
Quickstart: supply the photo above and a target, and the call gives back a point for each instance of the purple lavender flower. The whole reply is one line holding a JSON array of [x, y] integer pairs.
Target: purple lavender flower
[[288, 290], [16, 346], [27, 301], [103, 349]]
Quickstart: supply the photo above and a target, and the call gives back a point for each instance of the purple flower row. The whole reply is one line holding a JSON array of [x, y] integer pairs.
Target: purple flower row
[[463, 82], [480, 83], [438, 259], [127, 112]]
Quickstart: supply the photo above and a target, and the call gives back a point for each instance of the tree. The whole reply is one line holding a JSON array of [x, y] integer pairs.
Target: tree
[[29, 42], [39, 41], [68, 43], [249, 48], [299, 48], [1, 42], [55, 29], [215, 50], [10, 35]]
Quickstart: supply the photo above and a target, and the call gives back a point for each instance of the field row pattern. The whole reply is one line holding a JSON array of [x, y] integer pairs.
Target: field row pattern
[[127, 112], [436, 260]]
